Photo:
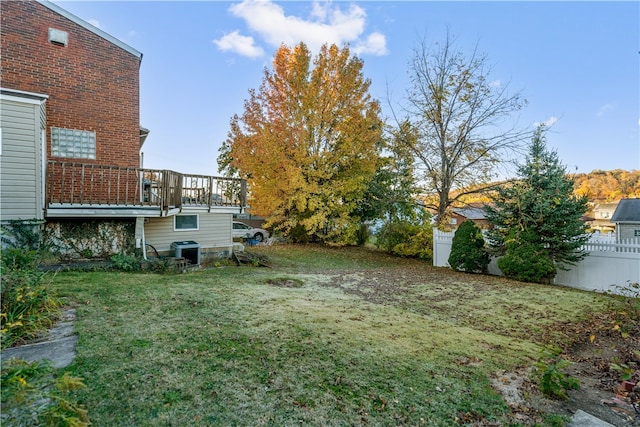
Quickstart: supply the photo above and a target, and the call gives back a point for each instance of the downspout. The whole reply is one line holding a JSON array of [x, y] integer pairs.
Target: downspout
[[139, 236], [144, 243]]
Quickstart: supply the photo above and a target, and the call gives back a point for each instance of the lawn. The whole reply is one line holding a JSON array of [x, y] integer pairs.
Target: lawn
[[326, 337]]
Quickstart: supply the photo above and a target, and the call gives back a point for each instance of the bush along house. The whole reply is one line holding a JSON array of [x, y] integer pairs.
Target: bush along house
[[71, 147]]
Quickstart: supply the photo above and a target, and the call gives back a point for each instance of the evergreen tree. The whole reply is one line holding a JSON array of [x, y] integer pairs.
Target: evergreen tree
[[468, 252], [391, 193], [539, 211]]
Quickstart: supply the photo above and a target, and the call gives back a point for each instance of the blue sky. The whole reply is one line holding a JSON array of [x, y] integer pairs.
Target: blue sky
[[577, 64]]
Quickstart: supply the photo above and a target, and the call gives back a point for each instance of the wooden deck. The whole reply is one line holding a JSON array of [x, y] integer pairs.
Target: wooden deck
[[87, 189]]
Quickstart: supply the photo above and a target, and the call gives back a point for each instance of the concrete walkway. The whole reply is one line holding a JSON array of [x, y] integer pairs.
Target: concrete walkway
[[583, 419], [59, 346]]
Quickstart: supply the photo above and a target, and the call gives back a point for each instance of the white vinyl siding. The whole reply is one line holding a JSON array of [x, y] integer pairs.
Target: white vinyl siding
[[214, 231], [628, 231], [22, 159], [185, 222]]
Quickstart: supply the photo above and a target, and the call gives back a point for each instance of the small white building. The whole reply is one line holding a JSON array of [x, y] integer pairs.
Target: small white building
[[627, 219]]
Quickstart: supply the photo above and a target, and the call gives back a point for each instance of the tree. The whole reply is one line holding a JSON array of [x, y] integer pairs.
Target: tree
[[525, 259], [538, 215], [391, 195], [458, 114], [468, 252], [407, 238], [403, 226], [308, 143], [608, 186]]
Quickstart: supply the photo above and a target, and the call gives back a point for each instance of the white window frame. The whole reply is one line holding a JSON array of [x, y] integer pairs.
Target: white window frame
[[175, 223], [73, 143]]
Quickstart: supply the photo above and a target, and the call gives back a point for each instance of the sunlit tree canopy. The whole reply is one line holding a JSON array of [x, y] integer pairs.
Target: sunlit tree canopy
[[308, 142]]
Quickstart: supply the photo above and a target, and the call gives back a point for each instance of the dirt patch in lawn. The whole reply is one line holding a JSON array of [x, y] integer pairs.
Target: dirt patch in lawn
[[600, 353], [285, 282], [601, 391]]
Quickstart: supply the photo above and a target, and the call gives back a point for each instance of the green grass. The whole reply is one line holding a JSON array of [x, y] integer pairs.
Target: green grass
[[361, 338]]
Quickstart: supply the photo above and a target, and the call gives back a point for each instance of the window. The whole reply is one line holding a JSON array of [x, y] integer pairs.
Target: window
[[185, 222], [636, 233], [73, 143]]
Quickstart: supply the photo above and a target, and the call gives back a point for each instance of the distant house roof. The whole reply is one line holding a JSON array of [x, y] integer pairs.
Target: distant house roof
[[605, 210], [628, 210], [605, 206], [470, 212], [70, 16]]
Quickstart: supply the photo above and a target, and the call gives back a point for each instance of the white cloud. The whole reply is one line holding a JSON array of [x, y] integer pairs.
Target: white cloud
[[547, 123], [375, 44], [604, 110], [95, 23], [319, 11], [325, 24], [243, 45], [495, 83]]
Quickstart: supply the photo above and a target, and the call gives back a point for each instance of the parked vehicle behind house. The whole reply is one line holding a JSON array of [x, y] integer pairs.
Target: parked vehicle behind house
[[242, 230]]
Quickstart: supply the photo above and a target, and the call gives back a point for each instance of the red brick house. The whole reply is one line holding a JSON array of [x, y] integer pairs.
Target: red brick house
[[92, 80], [71, 137], [474, 212]]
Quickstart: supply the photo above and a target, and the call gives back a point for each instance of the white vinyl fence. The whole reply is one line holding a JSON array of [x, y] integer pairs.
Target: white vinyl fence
[[608, 265]]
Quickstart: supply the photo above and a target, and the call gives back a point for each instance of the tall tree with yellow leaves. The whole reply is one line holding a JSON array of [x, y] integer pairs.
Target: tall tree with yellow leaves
[[308, 143]]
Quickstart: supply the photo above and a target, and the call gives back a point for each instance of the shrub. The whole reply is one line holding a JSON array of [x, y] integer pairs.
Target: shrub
[[27, 306], [19, 259], [23, 234], [32, 396], [405, 239], [527, 262], [625, 306], [468, 251], [161, 265], [548, 371], [126, 262], [298, 234]]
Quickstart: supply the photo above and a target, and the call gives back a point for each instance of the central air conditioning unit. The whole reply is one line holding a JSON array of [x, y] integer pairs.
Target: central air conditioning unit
[[188, 249]]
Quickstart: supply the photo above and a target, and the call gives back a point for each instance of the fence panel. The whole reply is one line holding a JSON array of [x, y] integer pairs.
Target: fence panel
[[602, 271], [441, 247], [607, 237], [607, 266]]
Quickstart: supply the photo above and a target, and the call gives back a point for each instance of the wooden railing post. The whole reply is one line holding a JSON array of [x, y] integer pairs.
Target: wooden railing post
[[243, 193]]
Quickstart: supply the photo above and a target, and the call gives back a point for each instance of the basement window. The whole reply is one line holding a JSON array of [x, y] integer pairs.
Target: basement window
[[73, 143], [185, 222]]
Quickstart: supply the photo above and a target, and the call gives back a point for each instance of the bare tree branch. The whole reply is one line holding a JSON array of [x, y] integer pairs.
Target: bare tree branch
[[461, 118]]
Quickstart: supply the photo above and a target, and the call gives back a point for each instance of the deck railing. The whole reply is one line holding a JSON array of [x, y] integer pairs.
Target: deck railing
[[80, 184]]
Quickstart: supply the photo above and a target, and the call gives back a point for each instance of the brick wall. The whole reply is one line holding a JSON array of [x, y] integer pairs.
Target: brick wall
[[92, 84]]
